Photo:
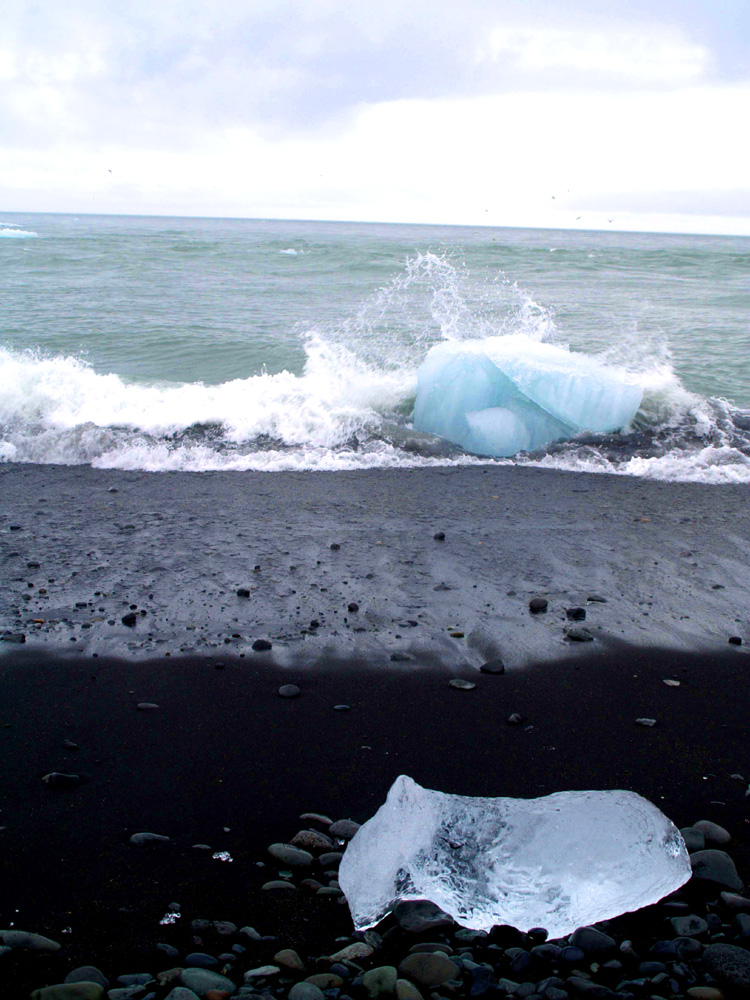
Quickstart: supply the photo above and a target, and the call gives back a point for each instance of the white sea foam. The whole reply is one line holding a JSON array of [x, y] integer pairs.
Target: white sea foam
[[8, 233], [350, 407]]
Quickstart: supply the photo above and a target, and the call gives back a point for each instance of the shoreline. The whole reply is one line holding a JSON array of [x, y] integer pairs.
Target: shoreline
[[79, 547]]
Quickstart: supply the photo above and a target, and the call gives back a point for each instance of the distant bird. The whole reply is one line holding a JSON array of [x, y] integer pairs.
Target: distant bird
[[610, 220], [578, 217], [553, 197]]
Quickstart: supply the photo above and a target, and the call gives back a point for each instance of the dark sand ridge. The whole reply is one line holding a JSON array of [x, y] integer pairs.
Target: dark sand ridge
[[223, 750], [179, 545]]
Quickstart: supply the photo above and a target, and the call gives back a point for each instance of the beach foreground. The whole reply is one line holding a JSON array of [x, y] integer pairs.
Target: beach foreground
[[225, 761]]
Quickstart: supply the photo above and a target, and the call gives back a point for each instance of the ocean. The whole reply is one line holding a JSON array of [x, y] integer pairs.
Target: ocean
[[223, 344]]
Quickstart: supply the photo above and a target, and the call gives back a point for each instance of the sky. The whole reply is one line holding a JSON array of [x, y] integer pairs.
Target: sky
[[592, 114]]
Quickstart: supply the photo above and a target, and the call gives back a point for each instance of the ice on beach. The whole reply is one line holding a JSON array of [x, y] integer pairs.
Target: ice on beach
[[563, 861], [508, 394]]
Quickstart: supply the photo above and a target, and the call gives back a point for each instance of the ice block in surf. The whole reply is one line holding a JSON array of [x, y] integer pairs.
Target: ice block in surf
[[508, 394], [560, 862]]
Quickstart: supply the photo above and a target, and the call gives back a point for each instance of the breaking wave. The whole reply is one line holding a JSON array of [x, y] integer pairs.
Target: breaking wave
[[350, 407]]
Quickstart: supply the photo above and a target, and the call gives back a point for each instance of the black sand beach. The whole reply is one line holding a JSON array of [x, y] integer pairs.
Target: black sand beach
[[225, 761]]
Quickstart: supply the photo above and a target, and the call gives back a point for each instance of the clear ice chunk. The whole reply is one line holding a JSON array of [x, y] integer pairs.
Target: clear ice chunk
[[561, 862], [503, 395]]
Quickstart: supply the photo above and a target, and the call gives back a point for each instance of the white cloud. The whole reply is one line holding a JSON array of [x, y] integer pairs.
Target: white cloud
[[642, 57]]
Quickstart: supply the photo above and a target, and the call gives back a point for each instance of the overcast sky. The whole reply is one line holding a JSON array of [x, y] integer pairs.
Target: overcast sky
[[492, 112]]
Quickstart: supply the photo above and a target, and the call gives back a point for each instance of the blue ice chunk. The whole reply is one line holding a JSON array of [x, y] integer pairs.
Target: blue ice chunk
[[503, 395]]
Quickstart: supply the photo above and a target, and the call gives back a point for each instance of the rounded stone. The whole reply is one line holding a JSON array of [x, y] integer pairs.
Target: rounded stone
[[325, 980], [689, 926], [714, 834], [705, 993], [28, 941], [537, 604], [493, 667], [343, 829], [729, 964], [289, 691], [380, 980], [591, 941], [288, 958], [279, 884], [201, 960], [352, 953], [87, 974], [311, 840], [461, 685], [428, 969], [181, 993], [289, 855], [715, 866], [406, 990], [70, 991], [261, 646], [200, 981], [694, 839], [306, 991], [144, 839]]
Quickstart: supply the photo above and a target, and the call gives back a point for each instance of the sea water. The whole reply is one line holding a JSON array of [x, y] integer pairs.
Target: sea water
[[196, 344]]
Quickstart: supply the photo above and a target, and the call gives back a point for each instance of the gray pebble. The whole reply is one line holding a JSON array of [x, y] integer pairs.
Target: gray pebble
[[143, 839], [87, 974], [344, 829], [28, 941], [306, 991], [715, 866], [729, 964], [181, 993], [715, 835], [290, 855], [289, 691], [201, 981]]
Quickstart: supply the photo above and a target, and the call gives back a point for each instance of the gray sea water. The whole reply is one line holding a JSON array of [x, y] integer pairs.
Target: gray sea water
[[171, 343]]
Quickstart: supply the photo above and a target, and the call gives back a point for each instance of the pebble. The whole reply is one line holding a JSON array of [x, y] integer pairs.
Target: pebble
[[28, 941], [200, 981], [130, 618], [538, 604], [146, 706], [735, 902], [705, 993], [342, 708], [735, 640], [181, 993], [439, 536], [493, 667], [400, 657], [278, 884], [70, 991], [428, 969], [729, 964], [353, 952], [694, 839], [306, 991], [201, 960], [344, 829], [689, 926], [716, 866], [575, 614], [143, 839], [714, 834], [579, 634], [17, 637], [87, 974], [406, 990], [243, 592], [56, 779], [461, 685], [352, 606], [289, 691], [648, 723], [514, 719], [380, 980], [262, 646], [288, 958], [592, 941], [289, 855], [419, 915], [311, 840], [325, 980], [262, 972]]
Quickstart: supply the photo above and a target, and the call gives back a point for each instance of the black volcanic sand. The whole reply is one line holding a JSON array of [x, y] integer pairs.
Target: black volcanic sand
[[225, 761], [224, 750]]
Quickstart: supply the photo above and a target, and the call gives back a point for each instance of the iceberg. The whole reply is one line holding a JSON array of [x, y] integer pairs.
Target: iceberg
[[560, 862], [503, 395]]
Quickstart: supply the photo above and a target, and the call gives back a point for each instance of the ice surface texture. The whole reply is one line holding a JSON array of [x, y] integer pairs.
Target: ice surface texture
[[503, 395], [560, 862]]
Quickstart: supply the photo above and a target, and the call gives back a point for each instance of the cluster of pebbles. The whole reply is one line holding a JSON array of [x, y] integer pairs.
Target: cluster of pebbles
[[693, 944]]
